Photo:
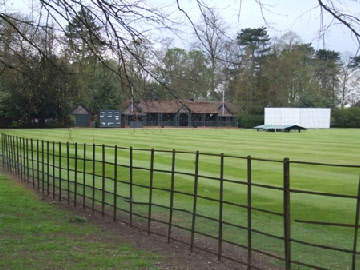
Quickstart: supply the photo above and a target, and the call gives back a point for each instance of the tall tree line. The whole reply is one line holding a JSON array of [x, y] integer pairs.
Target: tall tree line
[[45, 73]]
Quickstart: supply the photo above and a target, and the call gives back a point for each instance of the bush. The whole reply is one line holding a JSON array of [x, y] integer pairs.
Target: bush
[[15, 124], [250, 121], [346, 118]]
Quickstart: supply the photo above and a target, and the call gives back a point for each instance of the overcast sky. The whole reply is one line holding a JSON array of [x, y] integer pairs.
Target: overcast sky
[[301, 17]]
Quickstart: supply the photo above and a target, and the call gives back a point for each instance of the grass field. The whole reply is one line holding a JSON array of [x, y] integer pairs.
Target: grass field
[[338, 146], [33, 235]]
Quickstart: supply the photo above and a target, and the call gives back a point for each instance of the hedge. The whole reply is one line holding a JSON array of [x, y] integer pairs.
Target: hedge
[[346, 118]]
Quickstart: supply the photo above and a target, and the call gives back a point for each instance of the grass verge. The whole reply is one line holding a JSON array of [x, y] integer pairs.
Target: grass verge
[[36, 234]]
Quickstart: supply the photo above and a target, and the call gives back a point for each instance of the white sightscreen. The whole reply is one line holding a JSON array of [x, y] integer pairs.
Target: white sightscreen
[[305, 117]]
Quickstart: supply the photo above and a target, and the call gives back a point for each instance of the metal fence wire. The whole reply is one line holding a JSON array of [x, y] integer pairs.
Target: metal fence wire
[[127, 184]]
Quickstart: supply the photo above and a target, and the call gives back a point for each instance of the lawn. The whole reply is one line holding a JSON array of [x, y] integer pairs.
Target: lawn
[[36, 234], [335, 146]]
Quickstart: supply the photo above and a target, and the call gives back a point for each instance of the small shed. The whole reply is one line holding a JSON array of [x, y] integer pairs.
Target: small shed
[[82, 116], [279, 128]]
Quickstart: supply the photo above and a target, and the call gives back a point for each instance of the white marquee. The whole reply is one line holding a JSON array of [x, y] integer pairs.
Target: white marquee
[[305, 117]]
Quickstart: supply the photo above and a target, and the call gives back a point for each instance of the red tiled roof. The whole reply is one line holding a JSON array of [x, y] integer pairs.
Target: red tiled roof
[[178, 106]]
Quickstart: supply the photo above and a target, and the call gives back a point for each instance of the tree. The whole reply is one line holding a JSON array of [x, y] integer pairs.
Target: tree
[[327, 71], [349, 85], [124, 24], [251, 85], [37, 85], [185, 73], [199, 75], [84, 44], [290, 71], [107, 91], [135, 66], [211, 34], [41, 94], [83, 36]]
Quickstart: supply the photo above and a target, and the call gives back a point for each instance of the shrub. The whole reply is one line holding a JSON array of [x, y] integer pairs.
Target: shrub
[[346, 118], [15, 124], [250, 121]]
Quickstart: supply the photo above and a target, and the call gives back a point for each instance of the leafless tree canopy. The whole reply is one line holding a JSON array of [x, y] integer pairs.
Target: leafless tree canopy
[[126, 22], [125, 37], [335, 9]]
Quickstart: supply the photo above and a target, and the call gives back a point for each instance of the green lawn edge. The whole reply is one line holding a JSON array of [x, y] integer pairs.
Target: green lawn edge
[[38, 234]]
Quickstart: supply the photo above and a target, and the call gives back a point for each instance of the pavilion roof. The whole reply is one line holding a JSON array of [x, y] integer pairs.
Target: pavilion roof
[[179, 106]]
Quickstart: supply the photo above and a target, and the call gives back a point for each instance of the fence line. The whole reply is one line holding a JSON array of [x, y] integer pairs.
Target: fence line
[[65, 176]]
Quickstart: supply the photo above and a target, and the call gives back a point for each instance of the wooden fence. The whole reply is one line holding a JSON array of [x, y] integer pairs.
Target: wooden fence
[[87, 176]]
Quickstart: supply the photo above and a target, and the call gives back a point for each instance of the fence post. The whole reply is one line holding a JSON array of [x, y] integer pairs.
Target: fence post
[[356, 228], [115, 183], [196, 178], [2, 149], [11, 152], [131, 186], [17, 167], [151, 187], [37, 165], [14, 155], [27, 161], [53, 170], [249, 215], [68, 171], [84, 176], [24, 159], [287, 226], [19, 161], [48, 167], [172, 194], [14, 159], [221, 206], [18, 154], [103, 182], [93, 183], [76, 179], [42, 166], [60, 180], [32, 162], [8, 149], [7, 152]]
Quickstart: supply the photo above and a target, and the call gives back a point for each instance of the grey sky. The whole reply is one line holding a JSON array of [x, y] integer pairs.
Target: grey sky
[[301, 17]]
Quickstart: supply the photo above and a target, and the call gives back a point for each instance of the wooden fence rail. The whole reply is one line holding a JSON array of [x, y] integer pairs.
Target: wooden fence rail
[[62, 171]]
